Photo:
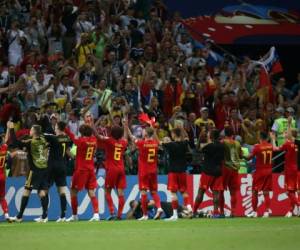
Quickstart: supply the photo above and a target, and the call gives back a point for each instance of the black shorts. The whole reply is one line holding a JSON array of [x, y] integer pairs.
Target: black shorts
[[37, 179], [57, 175]]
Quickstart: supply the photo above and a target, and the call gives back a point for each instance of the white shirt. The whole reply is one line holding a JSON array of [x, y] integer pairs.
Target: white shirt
[[62, 91], [14, 41]]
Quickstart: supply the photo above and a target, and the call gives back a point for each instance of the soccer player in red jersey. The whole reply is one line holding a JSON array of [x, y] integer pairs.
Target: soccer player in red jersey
[[84, 174], [262, 177], [3, 153], [290, 168], [147, 170], [115, 178]]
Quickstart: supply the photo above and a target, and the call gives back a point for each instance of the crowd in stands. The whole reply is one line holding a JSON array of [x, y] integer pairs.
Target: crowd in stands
[[80, 60]]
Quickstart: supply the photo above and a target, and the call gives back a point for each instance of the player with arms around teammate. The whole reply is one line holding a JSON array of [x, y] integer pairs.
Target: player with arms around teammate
[[147, 170], [59, 145], [290, 167], [262, 177], [114, 147], [84, 173], [3, 153], [37, 148], [177, 177], [211, 176], [230, 174]]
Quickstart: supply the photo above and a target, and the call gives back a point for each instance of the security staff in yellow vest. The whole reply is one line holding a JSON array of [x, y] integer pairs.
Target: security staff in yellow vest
[[280, 125]]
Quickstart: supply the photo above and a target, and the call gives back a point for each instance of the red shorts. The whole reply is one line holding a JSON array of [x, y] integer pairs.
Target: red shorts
[[115, 178], [231, 179], [84, 179], [262, 181], [290, 181], [177, 182], [215, 183], [148, 181], [2, 186]]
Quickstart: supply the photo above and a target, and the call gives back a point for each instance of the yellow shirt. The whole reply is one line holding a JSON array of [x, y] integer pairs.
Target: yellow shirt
[[83, 52], [208, 123]]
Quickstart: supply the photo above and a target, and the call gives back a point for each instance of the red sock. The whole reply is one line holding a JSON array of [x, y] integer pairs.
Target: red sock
[[74, 204], [221, 202], [293, 200], [254, 201], [216, 212], [156, 199], [196, 206], [186, 200], [175, 204], [267, 201], [233, 202], [144, 202], [4, 205], [95, 204], [121, 205], [109, 202]]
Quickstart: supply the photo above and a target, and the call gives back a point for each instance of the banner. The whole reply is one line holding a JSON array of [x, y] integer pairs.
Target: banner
[[231, 22], [14, 190]]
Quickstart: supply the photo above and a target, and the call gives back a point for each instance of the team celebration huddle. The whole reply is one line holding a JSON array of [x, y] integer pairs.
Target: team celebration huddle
[[221, 157]]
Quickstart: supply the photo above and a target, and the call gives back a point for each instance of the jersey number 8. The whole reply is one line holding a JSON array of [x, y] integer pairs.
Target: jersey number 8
[[89, 153]]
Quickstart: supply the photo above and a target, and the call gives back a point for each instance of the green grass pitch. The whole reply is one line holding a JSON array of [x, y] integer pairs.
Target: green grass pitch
[[210, 234]]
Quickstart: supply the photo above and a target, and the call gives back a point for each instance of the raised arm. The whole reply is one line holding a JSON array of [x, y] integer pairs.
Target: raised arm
[[73, 138], [98, 136]]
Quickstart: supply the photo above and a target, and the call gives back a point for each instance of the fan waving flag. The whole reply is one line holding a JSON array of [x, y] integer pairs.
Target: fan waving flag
[[269, 65], [144, 118], [271, 62]]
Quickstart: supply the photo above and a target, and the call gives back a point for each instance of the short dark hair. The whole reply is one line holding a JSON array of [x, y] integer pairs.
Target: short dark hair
[[263, 135], [117, 132], [85, 130], [61, 125], [149, 131], [228, 132], [177, 132], [214, 135], [37, 129], [294, 133]]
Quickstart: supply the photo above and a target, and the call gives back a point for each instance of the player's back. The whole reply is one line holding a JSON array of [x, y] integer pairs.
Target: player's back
[[213, 158], [57, 148], [177, 152], [114, 152], [85, 153], [264, 154], [232, 153], [148, 154]]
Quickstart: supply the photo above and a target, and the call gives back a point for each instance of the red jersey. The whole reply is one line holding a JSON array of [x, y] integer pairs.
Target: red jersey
[[114, 152], [148, 154], [86, 148], [263, 153], [291, 154], [3, 152]]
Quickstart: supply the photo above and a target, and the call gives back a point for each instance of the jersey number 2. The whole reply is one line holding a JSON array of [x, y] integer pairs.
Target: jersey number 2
[[151, 155]]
